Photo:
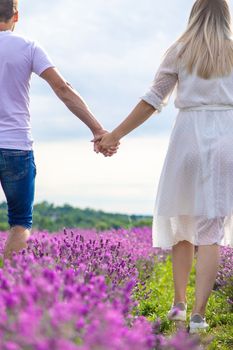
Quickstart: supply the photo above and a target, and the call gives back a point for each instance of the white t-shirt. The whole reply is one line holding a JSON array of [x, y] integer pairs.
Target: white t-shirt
[[19, 57]]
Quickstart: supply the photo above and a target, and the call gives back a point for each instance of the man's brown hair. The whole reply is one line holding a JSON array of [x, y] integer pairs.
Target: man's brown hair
[[7, 9]]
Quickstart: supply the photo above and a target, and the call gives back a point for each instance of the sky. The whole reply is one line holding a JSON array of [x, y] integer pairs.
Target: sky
[[109, 50]]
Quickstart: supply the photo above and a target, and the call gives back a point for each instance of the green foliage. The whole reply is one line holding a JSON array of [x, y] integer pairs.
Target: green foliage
[[159, 287], [4, 226], [53, 218], [3, 217], [1, 262]]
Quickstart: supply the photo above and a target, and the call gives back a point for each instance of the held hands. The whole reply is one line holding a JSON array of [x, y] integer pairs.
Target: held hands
[[108, 143], [105, 143]]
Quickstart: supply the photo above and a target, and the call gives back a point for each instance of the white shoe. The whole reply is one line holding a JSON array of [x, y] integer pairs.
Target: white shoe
[[197, 323], [178, 312]]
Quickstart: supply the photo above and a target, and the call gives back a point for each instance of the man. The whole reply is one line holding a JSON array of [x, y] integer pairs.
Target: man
[[20, 57]]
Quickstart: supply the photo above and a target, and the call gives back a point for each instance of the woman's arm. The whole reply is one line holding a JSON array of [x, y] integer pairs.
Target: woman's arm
[[155, 99], [138, 116]]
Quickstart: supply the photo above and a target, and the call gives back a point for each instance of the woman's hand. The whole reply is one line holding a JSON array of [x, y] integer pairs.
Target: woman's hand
[[106, 144]]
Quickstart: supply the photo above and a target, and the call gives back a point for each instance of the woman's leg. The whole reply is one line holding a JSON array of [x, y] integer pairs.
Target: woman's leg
[[208, 258], [182, 259]]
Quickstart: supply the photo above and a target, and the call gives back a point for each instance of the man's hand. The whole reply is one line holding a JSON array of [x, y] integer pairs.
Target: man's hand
[[97, 137], [107, 151]]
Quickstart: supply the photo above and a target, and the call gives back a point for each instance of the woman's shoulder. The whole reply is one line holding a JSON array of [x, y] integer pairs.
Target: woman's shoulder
[[175, 47], [174, 50]]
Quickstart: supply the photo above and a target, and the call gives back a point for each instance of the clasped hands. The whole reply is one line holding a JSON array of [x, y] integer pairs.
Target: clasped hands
[[106, 143]]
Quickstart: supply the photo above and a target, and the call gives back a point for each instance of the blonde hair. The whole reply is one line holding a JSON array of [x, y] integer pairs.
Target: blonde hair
[[207, 42]]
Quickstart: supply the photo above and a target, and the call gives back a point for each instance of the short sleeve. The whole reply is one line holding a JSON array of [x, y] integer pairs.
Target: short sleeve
[[40, 60], [164, 81]]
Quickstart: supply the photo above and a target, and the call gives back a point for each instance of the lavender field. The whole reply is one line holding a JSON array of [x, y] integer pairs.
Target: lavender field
[[88, 290]]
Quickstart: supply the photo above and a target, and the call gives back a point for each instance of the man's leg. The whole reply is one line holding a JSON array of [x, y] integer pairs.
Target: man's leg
[[18, 183]]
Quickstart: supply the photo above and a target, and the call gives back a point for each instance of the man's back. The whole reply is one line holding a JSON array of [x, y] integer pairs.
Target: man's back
[[19, 57]]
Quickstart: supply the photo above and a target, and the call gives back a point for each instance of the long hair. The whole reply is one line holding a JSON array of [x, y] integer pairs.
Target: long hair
[[207, 42]]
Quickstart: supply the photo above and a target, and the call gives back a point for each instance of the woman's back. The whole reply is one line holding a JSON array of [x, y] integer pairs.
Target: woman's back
[[191, 90]]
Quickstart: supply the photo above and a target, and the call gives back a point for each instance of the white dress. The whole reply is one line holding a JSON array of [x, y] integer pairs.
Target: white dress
[[194, 201]]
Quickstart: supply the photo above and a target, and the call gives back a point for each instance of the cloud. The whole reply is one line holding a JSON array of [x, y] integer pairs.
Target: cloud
[[70, 172], [109, 51]]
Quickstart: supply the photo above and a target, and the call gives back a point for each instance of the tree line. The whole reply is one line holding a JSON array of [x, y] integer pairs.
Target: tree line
[[52, 218]]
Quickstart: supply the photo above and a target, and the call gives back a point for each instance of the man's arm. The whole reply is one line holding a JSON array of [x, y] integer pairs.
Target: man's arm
[[72, 100]]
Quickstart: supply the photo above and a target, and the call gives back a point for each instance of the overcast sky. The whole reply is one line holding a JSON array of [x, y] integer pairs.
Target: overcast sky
[[109, 50]]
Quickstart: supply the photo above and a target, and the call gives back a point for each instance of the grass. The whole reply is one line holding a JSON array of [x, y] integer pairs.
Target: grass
[[1, 263], [160, 287]]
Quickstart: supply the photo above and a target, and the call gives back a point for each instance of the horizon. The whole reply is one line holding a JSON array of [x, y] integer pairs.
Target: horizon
[[87, 208]]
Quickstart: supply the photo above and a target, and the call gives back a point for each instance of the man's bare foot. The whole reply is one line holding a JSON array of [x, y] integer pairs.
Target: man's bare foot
[[16, 241]]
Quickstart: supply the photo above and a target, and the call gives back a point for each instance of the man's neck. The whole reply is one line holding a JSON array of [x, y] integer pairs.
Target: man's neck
[[5, 26]]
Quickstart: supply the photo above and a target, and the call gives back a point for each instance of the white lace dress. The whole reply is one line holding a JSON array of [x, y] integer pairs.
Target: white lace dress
[[194, 201]]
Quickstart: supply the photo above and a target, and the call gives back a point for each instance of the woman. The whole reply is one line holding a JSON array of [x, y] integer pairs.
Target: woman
[[194, 201]]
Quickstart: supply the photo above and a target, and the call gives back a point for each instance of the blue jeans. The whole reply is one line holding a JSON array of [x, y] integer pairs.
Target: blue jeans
[[17, 177]]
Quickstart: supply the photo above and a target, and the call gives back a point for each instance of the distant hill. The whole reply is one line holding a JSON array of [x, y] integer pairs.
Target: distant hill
[[49, 217]]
